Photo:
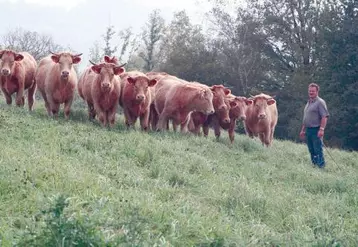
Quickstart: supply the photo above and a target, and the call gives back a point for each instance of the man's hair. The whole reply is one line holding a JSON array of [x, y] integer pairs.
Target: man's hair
[[314, 85]]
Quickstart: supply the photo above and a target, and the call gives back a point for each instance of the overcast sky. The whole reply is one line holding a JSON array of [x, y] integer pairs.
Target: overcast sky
[[79, 23]]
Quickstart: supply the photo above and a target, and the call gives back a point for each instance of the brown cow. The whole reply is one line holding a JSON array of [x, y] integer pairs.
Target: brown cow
[[198, 119], [56, 80], [17, 75], [237, 111], [261, 118], [136, 98], [175, 99], [106, 59], [102, 90]]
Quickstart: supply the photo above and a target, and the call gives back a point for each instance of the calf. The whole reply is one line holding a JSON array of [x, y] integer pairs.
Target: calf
[[261, 118], [102, 90], [56, 80], [17, 74], [136, 98]]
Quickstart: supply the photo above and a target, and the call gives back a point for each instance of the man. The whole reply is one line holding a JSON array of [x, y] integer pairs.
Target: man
[[315, 117]]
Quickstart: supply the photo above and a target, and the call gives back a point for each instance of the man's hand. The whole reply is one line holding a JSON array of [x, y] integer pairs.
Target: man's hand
[[320, 133], [302, 135]]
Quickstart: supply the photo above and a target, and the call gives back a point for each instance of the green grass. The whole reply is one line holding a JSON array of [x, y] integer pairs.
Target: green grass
[[73, 183]]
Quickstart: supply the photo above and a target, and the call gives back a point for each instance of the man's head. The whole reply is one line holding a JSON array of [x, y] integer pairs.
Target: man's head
[[313, 90]]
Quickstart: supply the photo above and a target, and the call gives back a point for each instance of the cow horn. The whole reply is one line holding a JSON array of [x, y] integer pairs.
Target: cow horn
[[92, 62], [122, 65], [77, 55], [53, 53]]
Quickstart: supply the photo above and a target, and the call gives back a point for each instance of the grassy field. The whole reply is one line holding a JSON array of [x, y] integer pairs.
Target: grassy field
[[73, 183]]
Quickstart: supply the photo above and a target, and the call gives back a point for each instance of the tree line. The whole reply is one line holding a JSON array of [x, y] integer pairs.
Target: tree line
[[274, 46]]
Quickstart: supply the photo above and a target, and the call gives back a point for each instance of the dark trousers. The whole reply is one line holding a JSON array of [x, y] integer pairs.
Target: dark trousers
[[315, 145]]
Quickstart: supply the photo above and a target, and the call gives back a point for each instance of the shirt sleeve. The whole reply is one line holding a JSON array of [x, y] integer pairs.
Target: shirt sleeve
[[322, 108]]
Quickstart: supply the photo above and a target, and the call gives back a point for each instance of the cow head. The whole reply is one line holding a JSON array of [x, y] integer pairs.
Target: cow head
[[7, 61], [140, 86], [238, 107], [203, 100], [260, 103], [220, 106], [107, 71], [65, 61]]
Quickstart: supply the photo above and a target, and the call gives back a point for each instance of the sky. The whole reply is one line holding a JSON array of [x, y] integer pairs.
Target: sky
[[80, 23]]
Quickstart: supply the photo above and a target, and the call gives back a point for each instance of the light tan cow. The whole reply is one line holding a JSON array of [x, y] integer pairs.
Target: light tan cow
[[176, 98], [17, 74], [261, 118], [101, 90], [56, 80]]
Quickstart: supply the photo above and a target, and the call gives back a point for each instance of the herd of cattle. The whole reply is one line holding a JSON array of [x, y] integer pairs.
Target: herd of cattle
[[154, 97]]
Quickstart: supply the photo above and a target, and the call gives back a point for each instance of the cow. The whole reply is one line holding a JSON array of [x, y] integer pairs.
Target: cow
[[261, 118], [175, 99], [101, 91], [136, 98], [56, 80], [198, 119], [106, 59], [17, 74], [237, 112]]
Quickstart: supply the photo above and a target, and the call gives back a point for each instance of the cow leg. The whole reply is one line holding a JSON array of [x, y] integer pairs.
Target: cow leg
[[153, 118], [144, 120], [112, 117], [31, 96], [91, 111], [20, 99], [7, 97], [248, 131], [67, 108], [163, 121], [102, 118], [55, 107], [231, 130], [127, 116]]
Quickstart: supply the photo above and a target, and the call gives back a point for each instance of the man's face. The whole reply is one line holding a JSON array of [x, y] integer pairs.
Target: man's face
[[312, 92]]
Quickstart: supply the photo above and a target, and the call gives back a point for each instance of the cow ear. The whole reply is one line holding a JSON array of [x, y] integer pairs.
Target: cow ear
[[107, 59], [202, 93], [18, 57], [271, 101], [76, 59], [227, 91], [152, 82], [118, 70], [249, 101], [131, 80], [233, 104], [55, 58], [96, 69]]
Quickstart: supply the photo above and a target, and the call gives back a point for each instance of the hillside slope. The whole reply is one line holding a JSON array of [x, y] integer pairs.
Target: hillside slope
[[168, 189]]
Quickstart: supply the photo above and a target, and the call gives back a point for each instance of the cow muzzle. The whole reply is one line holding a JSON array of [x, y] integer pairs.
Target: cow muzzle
[[140, 98], [226, 120], [262, 116], [5, 72], [65, 75]]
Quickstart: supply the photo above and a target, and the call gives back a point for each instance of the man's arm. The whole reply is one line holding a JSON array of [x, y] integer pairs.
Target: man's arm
[[323, 123]]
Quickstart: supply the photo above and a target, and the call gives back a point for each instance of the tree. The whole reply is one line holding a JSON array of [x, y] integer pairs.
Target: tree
[[38, 45], [95, 53], [108, 49], [151, 35]]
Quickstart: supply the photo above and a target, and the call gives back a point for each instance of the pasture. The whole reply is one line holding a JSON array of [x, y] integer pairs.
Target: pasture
[[128, 188]]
